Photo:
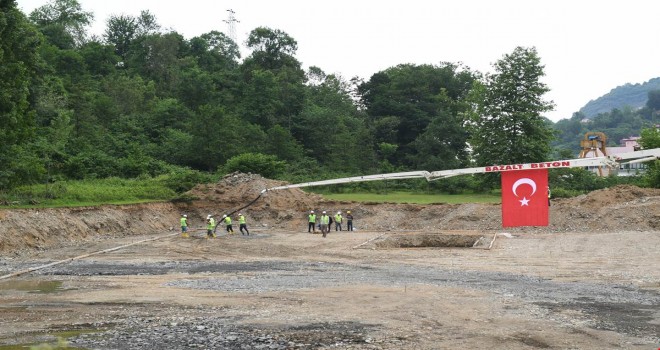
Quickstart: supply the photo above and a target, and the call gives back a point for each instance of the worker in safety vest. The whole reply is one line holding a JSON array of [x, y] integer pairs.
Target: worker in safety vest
[[311, 227], [210, 225], [338, 220], [184, 225], [325, 221], [242, 224], [227, 220]]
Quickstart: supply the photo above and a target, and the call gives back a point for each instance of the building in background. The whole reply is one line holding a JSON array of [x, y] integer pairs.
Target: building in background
[[594, 145], [629, 144]]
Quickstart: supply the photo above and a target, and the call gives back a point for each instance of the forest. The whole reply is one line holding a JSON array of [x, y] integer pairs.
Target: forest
[[143, 102]]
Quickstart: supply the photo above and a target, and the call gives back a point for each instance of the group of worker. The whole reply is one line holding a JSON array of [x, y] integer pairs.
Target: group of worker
[[325, 222], [211, 224]]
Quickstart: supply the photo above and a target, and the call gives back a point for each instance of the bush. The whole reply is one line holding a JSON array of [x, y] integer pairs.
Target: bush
[[564, 193], [256, 163], [181, 180], [570, 182], [457, 184]]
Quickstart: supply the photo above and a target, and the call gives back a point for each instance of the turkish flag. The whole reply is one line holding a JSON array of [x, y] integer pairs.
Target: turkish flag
[[525, 198]]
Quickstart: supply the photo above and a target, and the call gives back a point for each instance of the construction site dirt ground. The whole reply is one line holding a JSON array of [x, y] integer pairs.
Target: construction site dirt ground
[[410, 277]]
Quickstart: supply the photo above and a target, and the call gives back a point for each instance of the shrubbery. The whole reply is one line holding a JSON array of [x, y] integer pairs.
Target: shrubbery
[[256, 163]]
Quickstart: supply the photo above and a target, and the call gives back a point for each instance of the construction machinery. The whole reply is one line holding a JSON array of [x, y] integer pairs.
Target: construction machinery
[[594, 144]]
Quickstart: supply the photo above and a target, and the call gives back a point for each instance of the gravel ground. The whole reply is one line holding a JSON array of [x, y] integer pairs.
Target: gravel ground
[[618, 308]]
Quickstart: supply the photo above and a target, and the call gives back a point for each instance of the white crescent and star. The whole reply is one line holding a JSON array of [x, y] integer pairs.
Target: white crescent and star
[[524, 181]]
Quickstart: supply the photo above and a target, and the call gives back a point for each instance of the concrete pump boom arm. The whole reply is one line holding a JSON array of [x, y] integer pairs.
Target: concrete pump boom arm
[[390, 176], [609, 161]]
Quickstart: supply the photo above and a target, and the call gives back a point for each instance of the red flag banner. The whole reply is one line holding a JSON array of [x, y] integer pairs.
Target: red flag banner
[[525, 198]]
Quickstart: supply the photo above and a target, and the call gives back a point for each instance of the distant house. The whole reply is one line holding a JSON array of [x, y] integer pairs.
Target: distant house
[[627, 145]]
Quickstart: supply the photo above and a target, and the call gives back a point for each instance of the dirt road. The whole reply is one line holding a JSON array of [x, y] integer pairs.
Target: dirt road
[[577, 284]]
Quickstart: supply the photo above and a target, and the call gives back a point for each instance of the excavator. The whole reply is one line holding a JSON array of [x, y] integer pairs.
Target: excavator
[[594, 145]]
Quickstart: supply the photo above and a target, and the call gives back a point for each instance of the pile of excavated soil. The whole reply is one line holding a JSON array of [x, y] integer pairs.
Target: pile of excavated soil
[[620, 208], [237, 190]]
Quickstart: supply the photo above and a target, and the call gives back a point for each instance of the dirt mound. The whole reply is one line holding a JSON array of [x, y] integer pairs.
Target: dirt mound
[[613, 196], [237, 189]]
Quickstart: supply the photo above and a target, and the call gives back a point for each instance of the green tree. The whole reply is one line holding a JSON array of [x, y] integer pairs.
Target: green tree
[[272, 67], [653, 106], [332, 129], [19, 67], [282, 144], [654, 100], [507, 124], [120, 32], [442, 145], [402, 102], [272, 48], [651, 139], [215, 51], [210, 73], [64, 22], [99, 59], [157, 57]]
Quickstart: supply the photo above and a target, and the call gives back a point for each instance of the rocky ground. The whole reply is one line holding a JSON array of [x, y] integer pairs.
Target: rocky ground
[[411, 276]]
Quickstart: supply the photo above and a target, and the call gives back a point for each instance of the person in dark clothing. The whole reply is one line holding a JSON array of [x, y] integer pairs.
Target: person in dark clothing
[[349, 221]]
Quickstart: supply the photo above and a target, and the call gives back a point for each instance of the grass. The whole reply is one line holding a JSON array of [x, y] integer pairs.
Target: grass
[[87, 193], [130, 191], [416, 198]]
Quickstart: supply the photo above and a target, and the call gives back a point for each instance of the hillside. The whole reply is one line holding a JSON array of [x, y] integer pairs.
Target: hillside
[[632, 95]]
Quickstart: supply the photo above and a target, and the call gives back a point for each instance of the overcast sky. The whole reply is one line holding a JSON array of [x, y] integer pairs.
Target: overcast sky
[[588, 47]]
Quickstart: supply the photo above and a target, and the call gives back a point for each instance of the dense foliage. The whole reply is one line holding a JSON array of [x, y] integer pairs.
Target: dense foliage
[[143, 102], [651, 139]]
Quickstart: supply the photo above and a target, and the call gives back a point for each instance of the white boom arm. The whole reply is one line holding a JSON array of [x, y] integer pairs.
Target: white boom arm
[[609, 161]]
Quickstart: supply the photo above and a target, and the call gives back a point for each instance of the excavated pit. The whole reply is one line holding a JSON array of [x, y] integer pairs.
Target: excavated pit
[[443, 239]]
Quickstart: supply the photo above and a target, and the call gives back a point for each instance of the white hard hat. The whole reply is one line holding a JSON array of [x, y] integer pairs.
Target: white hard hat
[[338, 212], [312, 212], [185, 216], [224, 216], [239, 214], [324, 212], [208, 216]]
